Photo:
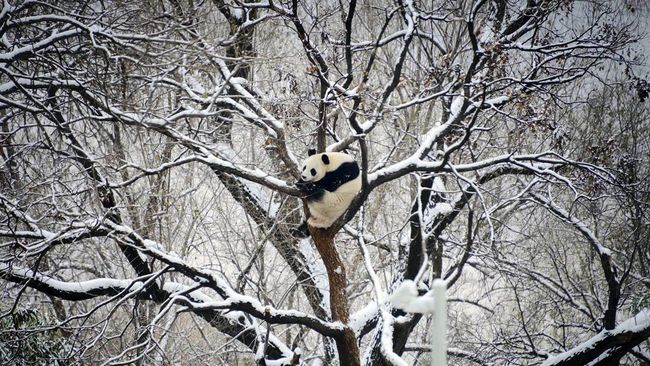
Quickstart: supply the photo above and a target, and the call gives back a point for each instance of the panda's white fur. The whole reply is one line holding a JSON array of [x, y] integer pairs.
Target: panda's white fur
[[331, 180]]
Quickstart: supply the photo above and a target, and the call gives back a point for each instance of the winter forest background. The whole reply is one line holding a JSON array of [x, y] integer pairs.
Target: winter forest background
[[149, 148]]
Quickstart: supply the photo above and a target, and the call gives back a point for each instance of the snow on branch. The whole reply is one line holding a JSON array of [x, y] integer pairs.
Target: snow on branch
[[208, 155], [75, 291], [204, 305], [232, 299], [267, 313], [200, 303], [542, 164], [627, 335], [127, 236], [604, 254], [32, 48], [578, 224]]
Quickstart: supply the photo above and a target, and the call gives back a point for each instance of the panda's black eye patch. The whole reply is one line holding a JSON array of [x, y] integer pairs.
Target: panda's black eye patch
[[313, 172]]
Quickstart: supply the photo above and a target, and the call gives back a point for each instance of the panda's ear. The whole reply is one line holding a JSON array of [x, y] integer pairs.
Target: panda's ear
[[325, 158], [311, 152]]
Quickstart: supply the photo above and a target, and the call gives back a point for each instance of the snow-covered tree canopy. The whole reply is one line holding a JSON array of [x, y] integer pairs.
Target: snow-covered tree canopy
[[149, 150]]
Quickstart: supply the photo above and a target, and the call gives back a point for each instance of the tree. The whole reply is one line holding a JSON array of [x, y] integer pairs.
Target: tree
[[150, 148], [21, 347]]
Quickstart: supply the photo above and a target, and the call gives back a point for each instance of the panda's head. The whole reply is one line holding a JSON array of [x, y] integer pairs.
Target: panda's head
[[315, 166]]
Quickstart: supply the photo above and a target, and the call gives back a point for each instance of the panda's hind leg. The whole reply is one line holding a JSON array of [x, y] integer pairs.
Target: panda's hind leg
[[320, 223]]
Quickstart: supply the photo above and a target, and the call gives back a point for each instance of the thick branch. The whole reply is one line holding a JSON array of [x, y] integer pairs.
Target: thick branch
[[625, 336]]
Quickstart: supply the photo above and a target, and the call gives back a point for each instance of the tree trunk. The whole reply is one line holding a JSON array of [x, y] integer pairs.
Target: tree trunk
[[346, 345]]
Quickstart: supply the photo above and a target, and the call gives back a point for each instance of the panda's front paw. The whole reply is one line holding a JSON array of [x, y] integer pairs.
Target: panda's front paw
[[301, 185], [305, 187]]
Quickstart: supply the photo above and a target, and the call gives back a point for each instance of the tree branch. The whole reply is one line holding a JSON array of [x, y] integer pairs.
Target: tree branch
[[626, 335]]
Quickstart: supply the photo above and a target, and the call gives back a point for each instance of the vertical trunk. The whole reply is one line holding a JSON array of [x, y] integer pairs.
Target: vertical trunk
[[9, 174], [346, 345], [614, 289], [321, 137], [415, 257]]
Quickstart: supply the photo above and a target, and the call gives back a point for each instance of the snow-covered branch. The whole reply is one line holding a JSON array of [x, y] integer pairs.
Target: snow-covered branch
[[74, 291], [625, 336], [172, 134]]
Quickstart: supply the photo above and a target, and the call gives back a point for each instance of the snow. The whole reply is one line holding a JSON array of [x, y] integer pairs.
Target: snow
[[637, 323], [232, 297], [238, 13], [404, 294], [428, 141], [411, 18], [279, 362], [238, 80], [316, 362], [393, 169], [495, 101], [265, 199], [137, 118], [440, 208], [46, 237], [254, 189], [11, 85], [6, 9], [455, 107], [406, 298], [267, 118], [362, 317], [438, 185], [387, 340], [581, 226], [531, 161], [195, 86], [318, 272], [205, 301], [153, 244], [19, 52], [421, 305], [73, 287], [367, 261]]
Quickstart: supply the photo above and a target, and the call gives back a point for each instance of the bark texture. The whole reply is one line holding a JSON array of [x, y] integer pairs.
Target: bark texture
[[346, 345]]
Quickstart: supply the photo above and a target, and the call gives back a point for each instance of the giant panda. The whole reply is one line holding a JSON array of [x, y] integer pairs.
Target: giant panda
[[330, 182]]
